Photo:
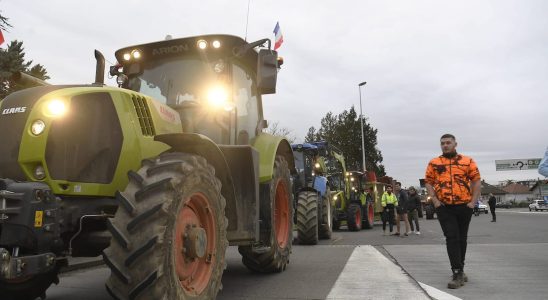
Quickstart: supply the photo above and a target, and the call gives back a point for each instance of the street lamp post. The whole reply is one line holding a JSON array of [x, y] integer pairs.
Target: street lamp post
[[361, 119]]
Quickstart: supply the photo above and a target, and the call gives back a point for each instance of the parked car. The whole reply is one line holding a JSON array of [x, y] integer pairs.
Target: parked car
[[503, 205], [483, 208], [537, 205]]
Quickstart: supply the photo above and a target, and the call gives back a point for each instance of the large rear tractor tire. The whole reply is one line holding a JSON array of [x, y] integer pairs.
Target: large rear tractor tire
[[307, 218], [278, 213], [368, 216], [169, 233], [326, 221], [30, 288], [354, 217]]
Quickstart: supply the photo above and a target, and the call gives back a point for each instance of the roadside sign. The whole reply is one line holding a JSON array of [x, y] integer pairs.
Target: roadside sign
[[517, 164]]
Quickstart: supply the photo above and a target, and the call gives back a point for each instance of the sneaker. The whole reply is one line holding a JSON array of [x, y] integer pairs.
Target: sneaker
[[406, 234], [418, 233], [396, 234]]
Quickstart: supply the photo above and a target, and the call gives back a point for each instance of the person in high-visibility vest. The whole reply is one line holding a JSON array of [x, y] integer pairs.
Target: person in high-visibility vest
[[388, 201]]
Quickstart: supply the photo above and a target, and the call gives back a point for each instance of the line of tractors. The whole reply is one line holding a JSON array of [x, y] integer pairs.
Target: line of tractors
[[162, 173]]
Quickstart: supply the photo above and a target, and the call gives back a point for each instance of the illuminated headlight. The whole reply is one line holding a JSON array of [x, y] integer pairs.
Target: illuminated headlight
[[317, 165], [202, 44], [39, 172], [335, 198], [127, 56], [313, 174], [351, 178], [56, 108], [136, 54], [216, 44], [347, 173], [37, 127], [218, 97]]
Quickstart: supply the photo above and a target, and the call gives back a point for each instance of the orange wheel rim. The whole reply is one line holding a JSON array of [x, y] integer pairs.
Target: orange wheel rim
[[370, 213], [195, 244], [281, 214]]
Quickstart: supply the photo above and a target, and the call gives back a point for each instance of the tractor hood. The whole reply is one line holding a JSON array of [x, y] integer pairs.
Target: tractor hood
[[14, 112]]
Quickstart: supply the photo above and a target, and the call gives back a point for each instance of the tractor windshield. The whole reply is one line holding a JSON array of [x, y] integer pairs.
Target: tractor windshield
[[175, 81]]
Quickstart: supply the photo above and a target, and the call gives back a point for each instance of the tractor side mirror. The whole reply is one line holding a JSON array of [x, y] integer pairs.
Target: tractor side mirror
[[267, 71]]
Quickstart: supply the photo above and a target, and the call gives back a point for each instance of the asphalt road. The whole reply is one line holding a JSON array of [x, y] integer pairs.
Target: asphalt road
[[505, 260]]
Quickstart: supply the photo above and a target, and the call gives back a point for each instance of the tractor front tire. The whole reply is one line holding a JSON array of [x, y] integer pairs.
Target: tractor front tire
[[326, 221], [368, 217], [354, 217], [307, 218], [169, 233], [278, 214]]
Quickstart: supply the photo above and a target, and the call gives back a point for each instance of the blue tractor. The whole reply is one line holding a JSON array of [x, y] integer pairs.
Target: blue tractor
[[313, 217]]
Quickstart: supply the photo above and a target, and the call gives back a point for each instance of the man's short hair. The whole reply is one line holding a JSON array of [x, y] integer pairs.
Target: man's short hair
[[397, 183], [448, 135]]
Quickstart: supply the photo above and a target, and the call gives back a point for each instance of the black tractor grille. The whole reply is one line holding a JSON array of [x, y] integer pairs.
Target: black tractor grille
[[143, 113], [85, 144]]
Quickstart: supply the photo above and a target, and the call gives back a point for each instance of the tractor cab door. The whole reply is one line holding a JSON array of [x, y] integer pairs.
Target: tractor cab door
[[247, 110]]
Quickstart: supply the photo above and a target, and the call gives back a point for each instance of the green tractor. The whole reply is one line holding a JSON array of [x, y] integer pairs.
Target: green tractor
[[159, 175], [313, 212], [363, 194]]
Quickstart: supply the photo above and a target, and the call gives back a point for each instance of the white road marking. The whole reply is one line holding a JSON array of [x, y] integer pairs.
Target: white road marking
[[368, 274], [437, 294]]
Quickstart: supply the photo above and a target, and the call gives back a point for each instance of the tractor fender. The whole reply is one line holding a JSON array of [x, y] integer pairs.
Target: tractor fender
[[269, 146], [201, 145]]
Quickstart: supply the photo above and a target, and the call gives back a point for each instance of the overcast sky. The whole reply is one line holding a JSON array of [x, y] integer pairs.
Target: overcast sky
[[477, 69]]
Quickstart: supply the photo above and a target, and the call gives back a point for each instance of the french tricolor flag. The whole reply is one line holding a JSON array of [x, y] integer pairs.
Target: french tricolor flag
[[279, 37]]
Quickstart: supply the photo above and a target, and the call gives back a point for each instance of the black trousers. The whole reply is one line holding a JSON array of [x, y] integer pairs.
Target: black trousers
[[492, 209], [454, 221], [388, 216]]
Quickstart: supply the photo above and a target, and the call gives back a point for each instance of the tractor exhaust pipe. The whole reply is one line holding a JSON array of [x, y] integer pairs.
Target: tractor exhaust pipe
[[99, 68], [27, 79]]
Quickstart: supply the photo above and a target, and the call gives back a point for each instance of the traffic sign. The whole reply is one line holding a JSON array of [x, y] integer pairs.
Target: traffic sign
[[517, 164]]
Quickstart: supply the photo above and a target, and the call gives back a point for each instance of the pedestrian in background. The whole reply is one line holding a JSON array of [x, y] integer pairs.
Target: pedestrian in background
[[453, 181], [413, 206], [388, 202], [492, 205], [543, 167], [401, 209]]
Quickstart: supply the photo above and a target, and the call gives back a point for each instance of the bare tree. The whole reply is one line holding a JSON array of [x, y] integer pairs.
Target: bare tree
[[275, 129]]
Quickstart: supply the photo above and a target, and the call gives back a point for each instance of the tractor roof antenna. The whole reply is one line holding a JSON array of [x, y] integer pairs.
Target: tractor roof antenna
[[247, 19]]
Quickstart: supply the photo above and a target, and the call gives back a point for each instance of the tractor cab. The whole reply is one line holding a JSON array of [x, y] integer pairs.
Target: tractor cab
[[357, 186], [214, 82], [310, 165]]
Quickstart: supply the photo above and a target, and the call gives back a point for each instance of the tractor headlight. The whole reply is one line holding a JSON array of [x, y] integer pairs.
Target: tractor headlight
[[218, 98], [352, 179], [317, 165], [127, 56], [136, 54], [39, 172], [56, 108], [202, 44], [37, 127], [216, 44], [335, 198]]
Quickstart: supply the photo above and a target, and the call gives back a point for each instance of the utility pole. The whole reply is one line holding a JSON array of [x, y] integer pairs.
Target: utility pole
[[361, 119]]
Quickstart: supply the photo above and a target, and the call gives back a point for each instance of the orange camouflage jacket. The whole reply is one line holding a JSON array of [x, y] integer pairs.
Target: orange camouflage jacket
[[451, 178]]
